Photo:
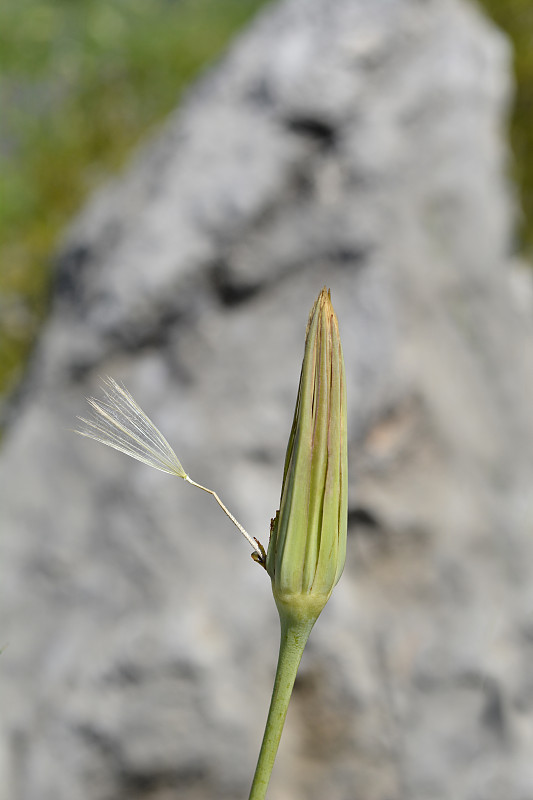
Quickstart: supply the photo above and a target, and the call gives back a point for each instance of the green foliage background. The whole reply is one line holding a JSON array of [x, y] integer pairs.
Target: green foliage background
[[81, 81], [515, 17]]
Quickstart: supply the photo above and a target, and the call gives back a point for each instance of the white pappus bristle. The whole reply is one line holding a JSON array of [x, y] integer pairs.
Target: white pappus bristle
[[119, 422]]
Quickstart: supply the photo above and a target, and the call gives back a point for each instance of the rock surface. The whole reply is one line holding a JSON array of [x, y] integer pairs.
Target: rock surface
[[353, 143]]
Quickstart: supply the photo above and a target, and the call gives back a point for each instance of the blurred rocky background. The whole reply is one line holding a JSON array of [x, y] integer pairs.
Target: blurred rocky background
[[357, 144]]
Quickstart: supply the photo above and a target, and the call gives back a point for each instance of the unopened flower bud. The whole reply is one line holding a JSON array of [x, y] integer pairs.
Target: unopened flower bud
[[307, 547]]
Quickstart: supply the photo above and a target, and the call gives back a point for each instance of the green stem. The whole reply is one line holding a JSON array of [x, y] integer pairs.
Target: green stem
[[294, 636]]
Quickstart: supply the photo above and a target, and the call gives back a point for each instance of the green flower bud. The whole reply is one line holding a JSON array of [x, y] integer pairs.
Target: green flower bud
[[307, 547]]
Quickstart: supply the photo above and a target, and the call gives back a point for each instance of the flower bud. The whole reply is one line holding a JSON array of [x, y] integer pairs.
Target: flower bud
[[307, 547]]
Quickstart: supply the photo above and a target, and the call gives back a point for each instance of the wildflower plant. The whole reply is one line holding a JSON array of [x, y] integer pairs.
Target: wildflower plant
[[307, 547]]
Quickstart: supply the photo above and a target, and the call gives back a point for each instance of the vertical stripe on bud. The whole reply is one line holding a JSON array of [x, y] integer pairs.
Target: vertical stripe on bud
[[307, 546]]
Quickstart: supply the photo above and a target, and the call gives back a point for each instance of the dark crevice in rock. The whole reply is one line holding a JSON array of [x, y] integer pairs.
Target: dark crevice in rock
[[77, 370], [98, 740], [232, 291], [317, 130], [349, 256], [494, 713], [147, 784], [363, 517], [354, 258], [131, 338], [69, 281], [229, 292]]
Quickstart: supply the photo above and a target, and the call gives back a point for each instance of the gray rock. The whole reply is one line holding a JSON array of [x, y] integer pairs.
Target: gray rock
[[350, 143]]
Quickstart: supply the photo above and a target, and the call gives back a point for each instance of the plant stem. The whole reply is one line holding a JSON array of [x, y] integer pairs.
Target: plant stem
[[294, 636]]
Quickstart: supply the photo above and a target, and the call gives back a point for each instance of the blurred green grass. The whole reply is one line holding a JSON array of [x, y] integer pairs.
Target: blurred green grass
[[515, 17], [81, 81]]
